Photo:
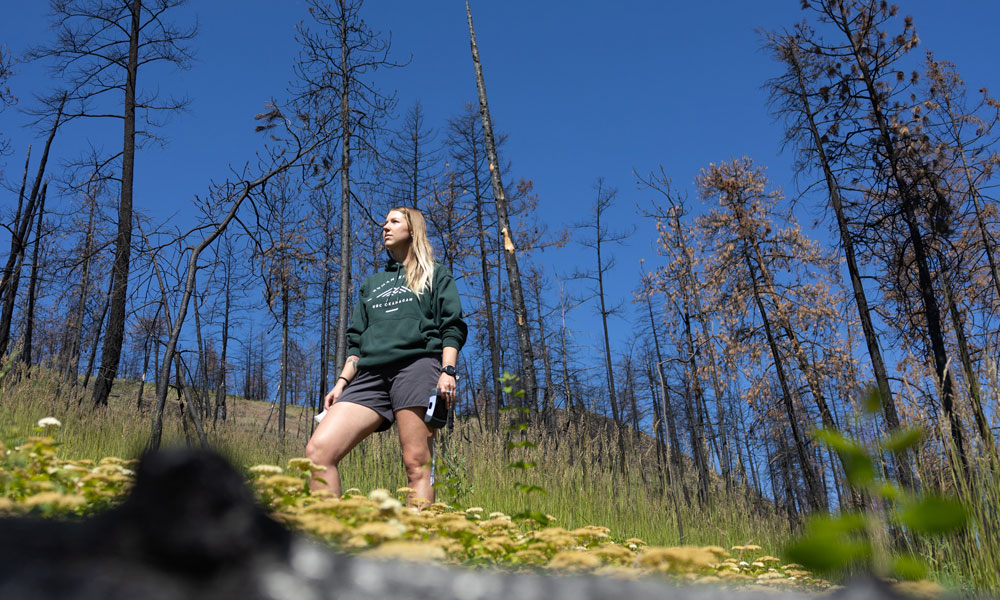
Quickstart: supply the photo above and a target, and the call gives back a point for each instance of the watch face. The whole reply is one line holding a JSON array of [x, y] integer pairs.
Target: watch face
[[449, 370]]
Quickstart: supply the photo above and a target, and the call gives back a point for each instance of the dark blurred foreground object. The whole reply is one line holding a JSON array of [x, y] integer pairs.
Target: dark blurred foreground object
[[191, 530]]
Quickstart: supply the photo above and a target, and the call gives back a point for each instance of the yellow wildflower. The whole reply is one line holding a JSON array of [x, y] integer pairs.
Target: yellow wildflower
[[380, 531], [112, 469], [555, 537], [55, 499], [379, 495], [503, 522], [574, 560], [678, 558], [326, 527], [618, 571], [457, 523], [919, 589], [305, 464], [528, 556], [449, 545], [407, 550], [590, 533], [390, 505], [266, 470], [613, 553], [282, 484], [496, 544]]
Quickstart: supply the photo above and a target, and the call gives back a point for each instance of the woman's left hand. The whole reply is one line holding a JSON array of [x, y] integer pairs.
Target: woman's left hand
[[448, 387]]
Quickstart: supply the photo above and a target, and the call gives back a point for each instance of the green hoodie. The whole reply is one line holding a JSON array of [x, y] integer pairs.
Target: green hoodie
[[391, 323]]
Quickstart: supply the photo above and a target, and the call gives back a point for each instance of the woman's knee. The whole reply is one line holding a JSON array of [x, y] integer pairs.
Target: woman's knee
[[321, 453], [417, 465]]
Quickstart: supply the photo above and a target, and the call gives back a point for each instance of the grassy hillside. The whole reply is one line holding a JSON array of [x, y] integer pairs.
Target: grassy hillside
[[582, 485]]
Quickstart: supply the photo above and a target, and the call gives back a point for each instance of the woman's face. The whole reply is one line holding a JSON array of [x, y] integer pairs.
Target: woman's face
[[395, 230]]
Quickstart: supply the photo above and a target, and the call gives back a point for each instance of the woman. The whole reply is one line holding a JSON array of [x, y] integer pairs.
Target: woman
[[403, 342]]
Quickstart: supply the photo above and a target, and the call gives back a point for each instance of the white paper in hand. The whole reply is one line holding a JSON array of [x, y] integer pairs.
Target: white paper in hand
[[320, 416]]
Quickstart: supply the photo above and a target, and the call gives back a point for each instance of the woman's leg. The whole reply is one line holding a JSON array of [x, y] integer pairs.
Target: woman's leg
[[344, 426], [416, 440]]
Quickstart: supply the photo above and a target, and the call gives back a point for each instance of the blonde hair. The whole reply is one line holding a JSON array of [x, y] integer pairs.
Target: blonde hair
[[420, 271]]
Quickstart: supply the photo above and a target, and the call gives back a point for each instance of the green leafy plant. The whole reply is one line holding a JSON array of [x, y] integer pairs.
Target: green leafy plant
[[452, 478], [848, 541], [519, 428]]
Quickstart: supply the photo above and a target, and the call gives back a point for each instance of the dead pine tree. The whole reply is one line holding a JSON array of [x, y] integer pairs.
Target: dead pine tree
[[597, 236], [412, 162], [101, 47], [522, 323], [466, 147], [338, 54], [801, 106], [29, 311], [880, 92], [23, 218]]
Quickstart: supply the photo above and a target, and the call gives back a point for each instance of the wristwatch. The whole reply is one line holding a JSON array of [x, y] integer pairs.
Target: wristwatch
[[449, 370]]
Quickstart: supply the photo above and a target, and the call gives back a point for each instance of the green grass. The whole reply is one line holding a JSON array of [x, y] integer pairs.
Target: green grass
[[582, 483], [582, 489]]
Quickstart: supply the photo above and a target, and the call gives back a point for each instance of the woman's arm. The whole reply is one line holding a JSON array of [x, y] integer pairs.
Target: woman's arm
[[447, 383], [348, 373]]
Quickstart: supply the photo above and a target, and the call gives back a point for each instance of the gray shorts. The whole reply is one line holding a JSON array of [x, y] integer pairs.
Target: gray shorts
[[394, 387]]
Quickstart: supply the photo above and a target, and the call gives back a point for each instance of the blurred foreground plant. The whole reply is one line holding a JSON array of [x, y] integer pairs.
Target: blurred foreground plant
[[850, 541]]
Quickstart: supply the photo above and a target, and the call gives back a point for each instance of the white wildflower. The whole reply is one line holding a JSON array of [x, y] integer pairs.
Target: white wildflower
[[49, 422]]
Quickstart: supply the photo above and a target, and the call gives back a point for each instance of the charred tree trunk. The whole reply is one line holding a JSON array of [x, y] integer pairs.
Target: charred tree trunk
[[344, 291], [907, 198], [146, 351], [789, 51], [111, 353], [29, 317], [98, 328], [220, 393], [491, 326], [971, 377], [816, 500], [510, 257], [12, 270]]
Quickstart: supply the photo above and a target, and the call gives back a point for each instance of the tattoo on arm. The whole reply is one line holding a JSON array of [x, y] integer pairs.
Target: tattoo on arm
[[353, 360]]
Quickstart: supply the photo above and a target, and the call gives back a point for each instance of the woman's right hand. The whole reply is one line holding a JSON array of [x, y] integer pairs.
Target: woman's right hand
[[334, 394]]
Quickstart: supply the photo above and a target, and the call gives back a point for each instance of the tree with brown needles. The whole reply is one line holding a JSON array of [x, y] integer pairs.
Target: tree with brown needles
[[749, 244], [806, 109], [885, 159]]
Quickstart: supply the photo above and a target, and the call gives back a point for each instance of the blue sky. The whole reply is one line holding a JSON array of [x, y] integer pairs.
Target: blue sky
[[584, 89]]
